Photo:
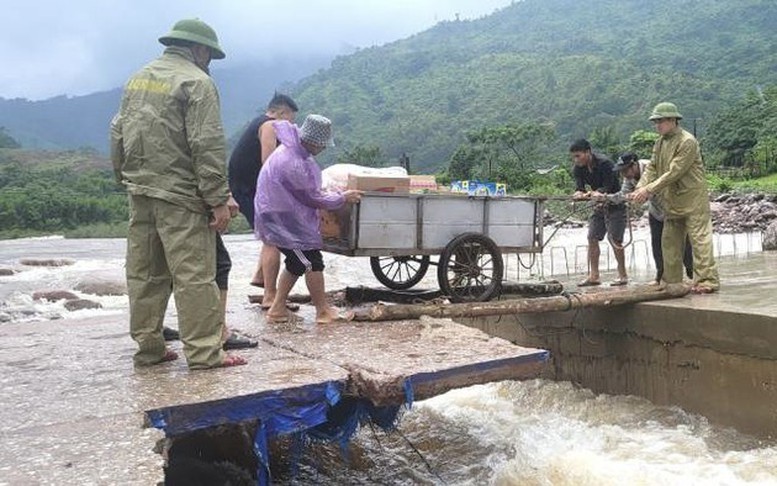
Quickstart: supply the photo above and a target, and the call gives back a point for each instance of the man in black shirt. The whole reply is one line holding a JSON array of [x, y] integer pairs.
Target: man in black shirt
[[598, 173], [255, 145]]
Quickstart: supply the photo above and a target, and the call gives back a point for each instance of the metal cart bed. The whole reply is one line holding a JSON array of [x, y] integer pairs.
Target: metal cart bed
[[469, 233]]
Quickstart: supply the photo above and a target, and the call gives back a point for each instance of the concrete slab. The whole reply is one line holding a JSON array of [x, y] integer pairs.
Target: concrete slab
[[73, 405], [748, 285], [435, 355]]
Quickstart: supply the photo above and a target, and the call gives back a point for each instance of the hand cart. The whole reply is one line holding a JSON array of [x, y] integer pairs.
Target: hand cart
[[469, 233]]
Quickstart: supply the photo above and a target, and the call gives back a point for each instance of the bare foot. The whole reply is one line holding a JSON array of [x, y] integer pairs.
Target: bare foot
[[170, 355], [258, 280], [332, 315], [232, 360], [289, 305], [278, 317], [267, 300]]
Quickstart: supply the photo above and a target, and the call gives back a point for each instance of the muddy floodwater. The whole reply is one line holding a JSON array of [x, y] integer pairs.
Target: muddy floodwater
[[536, 432]]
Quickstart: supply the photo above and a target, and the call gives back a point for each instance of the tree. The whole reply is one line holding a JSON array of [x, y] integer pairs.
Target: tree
[[7, 141], [366, 155], [606, 140], [739, 133], [505, 153], [641, 143]]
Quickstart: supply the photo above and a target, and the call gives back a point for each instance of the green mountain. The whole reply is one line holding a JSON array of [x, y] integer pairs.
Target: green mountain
[[66, 123], [579, 64]]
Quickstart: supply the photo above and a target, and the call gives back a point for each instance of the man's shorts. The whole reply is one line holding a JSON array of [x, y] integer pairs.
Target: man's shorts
[[245, 198], [611, 220], [298, 262]]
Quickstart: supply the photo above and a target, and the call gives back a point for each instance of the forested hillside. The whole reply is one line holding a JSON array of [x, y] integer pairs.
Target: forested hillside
[[579, 65], [64, 123]]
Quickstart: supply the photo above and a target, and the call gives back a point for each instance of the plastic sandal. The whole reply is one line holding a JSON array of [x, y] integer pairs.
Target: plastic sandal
[[235, 341]]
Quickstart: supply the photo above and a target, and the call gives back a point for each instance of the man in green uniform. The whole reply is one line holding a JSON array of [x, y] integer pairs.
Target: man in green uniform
[[168, 149], [676, 174]]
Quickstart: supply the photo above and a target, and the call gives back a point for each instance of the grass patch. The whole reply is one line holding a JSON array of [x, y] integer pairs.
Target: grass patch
[[767, 184], [98, 230]]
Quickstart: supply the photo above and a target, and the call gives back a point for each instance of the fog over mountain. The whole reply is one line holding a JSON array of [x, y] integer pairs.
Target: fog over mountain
[[49, 49]]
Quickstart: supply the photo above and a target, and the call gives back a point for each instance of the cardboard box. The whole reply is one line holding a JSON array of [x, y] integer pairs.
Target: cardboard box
[[394, 185], [329, 224], [478, 188], [423, 183]]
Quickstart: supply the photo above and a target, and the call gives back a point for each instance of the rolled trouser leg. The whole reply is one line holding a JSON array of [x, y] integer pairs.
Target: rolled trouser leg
[[190, 249], [149, 282]]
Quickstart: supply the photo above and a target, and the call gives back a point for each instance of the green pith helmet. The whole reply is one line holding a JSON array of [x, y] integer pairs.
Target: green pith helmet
[[665, 110], [195, 30]]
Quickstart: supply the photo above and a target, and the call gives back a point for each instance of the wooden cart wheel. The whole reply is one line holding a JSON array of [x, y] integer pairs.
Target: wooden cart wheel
[[399, 272], [470, 268]]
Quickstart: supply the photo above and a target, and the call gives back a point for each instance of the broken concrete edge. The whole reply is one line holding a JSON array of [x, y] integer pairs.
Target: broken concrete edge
[[308, 403], [305, 407], [386, 390], [363, 396]]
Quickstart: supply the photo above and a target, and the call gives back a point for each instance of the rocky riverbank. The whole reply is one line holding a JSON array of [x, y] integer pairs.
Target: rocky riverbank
[[742, 213], [731, 213]]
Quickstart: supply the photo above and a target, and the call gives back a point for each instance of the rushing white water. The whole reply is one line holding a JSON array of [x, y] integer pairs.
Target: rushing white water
[[536, 432]]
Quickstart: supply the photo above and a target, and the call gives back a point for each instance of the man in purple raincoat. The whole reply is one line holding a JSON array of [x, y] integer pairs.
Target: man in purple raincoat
[[287, 201]]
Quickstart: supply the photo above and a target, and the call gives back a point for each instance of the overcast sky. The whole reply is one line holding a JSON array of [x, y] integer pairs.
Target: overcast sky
[[50, 48]]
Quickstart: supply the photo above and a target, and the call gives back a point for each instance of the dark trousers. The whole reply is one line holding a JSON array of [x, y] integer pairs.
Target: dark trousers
[[223, 264], [656, 229]]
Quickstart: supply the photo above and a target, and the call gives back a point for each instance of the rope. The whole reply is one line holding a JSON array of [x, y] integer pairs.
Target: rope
[[412, 446], [530, 266]]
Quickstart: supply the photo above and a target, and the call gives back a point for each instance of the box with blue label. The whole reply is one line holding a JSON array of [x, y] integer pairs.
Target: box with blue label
[[479, 188]]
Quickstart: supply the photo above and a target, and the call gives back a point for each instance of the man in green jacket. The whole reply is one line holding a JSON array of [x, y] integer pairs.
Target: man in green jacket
[[677, 175], [168, 149]]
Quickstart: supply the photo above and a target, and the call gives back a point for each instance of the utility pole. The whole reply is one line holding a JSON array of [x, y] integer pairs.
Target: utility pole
[[404, 161]]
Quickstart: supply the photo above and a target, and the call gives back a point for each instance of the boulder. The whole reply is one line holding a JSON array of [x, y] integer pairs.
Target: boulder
[[54, 295], [6, 272], [78, 304], [102, 287], [47, 262], [769, 242]]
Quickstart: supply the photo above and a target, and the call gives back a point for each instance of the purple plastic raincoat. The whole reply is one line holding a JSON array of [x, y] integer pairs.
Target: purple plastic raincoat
[[289, 195]]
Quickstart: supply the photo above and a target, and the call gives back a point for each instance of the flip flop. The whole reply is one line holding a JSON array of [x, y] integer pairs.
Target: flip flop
[[170, 355], [619, 282], [170, 334], [258, 284], [235, 341], [588, 283]]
